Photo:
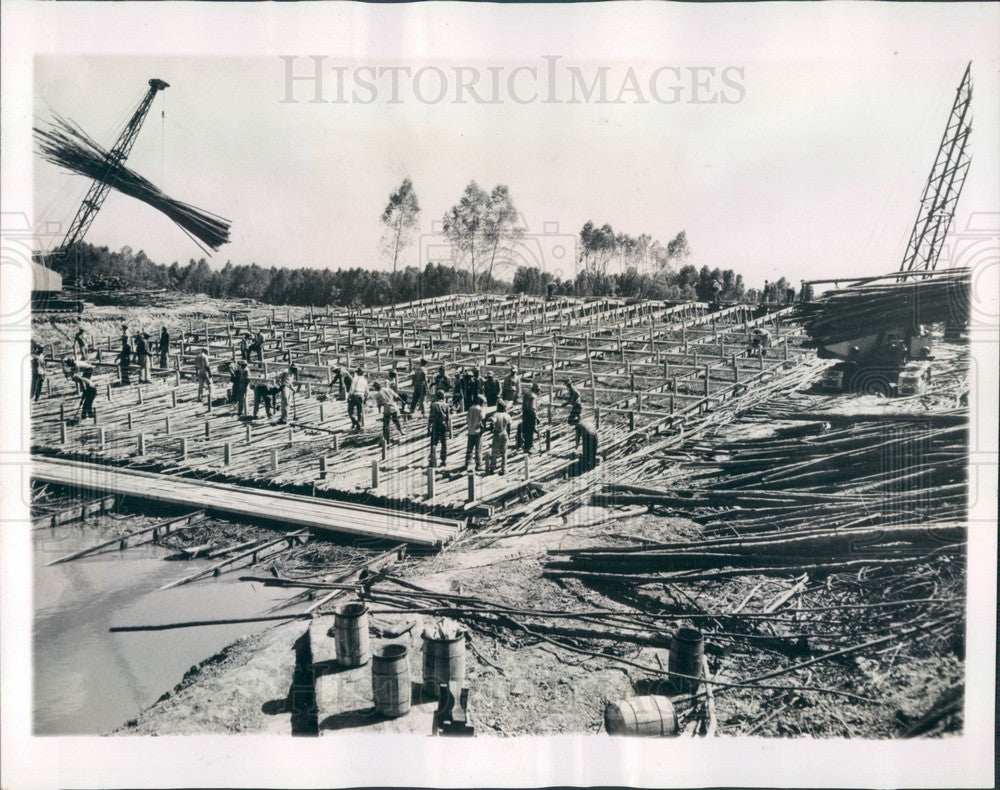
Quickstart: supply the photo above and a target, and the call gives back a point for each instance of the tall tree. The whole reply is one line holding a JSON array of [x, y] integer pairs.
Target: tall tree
[[500, 228], [463, 225], [400, 218]]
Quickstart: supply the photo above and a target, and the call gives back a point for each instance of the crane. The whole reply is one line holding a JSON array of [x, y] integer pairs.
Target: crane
[[99, 189], [896, 359], [944, 185]]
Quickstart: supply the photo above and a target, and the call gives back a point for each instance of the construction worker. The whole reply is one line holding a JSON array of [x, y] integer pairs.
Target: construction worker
[[587, 437], [125, 357], [73, 366], [501, 438], [245, 347], [164, 347], [87, 394], [473, 388], [509, 390], [441, 381], [258, 346], [263, 393], [79, 344], [439, 426], [491, 389], [142, 356], [241, 383], [285, 383], [386, 399], [760, 340], [475, 421], [528, 427], [356, 397], [38, 371], [458, 393], [573, 403], [203, 373], [419, 388]]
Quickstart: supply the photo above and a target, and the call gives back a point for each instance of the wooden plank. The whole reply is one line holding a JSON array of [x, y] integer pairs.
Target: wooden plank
[[244, 502], [75, 513]]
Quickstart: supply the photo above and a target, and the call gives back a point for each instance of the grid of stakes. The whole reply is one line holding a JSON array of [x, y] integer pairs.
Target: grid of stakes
[[643, 367]]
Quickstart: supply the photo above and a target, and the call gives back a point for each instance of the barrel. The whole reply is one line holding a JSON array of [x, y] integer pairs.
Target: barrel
[[350, 632], [444, 661], [645, 716], [391, 680], [687, 649]]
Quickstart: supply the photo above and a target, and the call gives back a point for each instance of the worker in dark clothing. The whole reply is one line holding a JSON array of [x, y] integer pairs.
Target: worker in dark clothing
[[257, 346], [164, 347], [491, 389], [125, 359], [38, 371], [528, 428], [441, 382], [573, 403], [263, 394], [241, 382], [419, 388], [789, 296], [587, 435], [458, 391], [473, 388], [87, 394], [439, 426]]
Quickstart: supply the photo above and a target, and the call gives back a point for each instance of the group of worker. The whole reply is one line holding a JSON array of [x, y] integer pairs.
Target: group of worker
[[486, 400], [138, 348]]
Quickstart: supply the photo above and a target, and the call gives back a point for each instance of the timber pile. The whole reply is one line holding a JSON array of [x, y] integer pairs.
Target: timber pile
[[66, 145], [868, 309]]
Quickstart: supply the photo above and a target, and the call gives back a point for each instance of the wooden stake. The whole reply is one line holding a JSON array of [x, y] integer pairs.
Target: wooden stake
[[430, 483], [227, 453], [142, 444], [184, 448], [472, 494], [375, 474]]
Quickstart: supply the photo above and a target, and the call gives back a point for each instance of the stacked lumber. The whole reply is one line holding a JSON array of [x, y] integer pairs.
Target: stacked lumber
[[874, 307], [66, 145]]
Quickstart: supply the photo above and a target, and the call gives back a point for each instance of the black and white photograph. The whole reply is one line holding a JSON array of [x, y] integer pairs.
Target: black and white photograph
[[412, 403]]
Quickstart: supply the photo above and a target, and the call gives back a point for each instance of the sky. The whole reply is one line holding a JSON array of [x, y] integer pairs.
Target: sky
[[803, 168]]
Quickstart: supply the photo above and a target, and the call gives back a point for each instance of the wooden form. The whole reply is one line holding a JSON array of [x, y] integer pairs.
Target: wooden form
[[641, 367]]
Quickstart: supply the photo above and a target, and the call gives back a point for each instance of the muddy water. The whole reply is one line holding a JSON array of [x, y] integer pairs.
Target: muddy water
[[88, 681]]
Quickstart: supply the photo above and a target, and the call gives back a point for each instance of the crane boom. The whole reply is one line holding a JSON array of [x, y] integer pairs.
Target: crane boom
[[944, 185], [98, 191]]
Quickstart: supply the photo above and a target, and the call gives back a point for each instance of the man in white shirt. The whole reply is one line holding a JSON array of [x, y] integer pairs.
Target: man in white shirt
[[356, 398]]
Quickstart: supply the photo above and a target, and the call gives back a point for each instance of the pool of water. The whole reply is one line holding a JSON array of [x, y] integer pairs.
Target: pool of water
[[88, 681]]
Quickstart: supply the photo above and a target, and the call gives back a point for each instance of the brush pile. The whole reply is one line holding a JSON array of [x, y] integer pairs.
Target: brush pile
[[67, 145], [869, 309]]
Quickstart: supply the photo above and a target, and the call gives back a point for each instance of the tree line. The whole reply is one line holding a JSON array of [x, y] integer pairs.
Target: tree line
[[483, 230]]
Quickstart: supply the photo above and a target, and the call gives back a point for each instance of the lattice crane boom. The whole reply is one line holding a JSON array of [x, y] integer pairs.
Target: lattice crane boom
[[100, 187], [944, 185]]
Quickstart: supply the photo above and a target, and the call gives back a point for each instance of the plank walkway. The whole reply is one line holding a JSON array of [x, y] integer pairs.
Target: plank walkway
[[318, 514]]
